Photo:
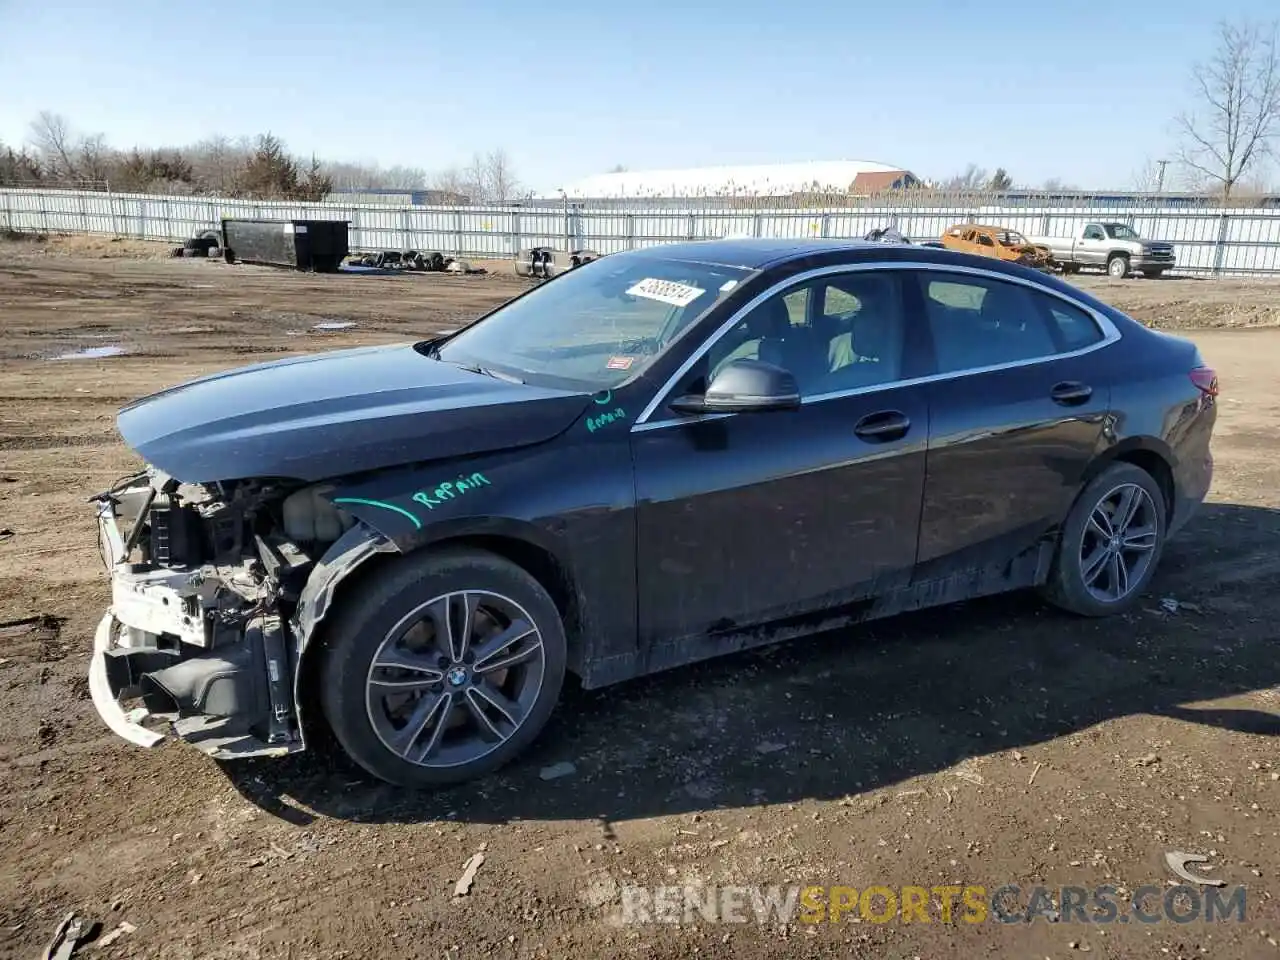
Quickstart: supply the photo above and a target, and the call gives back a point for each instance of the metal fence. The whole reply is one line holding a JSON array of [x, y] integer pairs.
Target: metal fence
[[1209, 240]]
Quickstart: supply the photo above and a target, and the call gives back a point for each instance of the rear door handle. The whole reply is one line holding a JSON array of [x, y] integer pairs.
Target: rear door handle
[[1070, 393], [883, 426]]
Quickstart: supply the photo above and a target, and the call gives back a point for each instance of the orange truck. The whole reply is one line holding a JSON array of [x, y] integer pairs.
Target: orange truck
[[1002, 243]]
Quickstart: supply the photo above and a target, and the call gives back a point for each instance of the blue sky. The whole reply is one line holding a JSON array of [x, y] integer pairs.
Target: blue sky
[[572, 88]]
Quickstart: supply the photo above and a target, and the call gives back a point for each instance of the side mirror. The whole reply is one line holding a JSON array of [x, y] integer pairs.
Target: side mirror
[[744, 386]]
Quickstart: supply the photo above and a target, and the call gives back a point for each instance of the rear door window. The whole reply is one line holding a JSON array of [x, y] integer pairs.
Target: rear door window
[[976, 322]]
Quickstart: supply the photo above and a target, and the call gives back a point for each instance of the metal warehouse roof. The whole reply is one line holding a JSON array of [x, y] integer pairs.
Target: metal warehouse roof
[[781, 179]]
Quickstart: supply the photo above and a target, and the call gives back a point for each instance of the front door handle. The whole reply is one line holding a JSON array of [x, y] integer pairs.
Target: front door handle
[[1071, 393], [883, 426]]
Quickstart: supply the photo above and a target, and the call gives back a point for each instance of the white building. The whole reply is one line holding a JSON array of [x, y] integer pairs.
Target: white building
[[760, 180]]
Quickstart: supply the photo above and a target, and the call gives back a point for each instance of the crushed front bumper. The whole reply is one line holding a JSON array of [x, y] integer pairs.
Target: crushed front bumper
[[149, 605], [106, 700]]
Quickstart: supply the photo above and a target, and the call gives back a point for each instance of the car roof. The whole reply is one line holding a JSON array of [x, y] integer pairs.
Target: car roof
[[762, 254], [752, 253]]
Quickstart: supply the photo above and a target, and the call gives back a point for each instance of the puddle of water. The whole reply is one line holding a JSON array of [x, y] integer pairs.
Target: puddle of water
[[334, 325], [92, 353]]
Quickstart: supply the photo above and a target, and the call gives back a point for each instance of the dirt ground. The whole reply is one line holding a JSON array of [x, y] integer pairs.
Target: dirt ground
[[992, 743]]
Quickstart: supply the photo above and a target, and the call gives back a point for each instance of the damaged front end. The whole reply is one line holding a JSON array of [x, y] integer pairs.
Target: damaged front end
[[215, 589]]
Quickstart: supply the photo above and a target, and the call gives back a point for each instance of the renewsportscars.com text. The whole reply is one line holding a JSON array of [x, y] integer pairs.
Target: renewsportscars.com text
[[972, 904]]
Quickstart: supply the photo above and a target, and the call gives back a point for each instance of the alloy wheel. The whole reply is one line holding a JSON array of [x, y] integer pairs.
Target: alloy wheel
[[1119, 542], [455, 678]]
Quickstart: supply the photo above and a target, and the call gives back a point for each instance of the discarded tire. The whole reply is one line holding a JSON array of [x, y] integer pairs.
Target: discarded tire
[[582, 257], [529, 261], [553, 263], [200, 245], [213, 253]]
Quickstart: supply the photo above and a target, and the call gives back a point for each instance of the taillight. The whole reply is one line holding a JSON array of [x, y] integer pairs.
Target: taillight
[[1206, 380]]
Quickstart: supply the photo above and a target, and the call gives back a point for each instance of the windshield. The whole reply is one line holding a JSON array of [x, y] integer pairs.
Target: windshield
[[1118, 231], [595, 326], [1012, 238]]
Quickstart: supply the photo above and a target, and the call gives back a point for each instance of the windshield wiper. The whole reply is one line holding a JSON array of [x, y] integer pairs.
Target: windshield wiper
[[485, 371]]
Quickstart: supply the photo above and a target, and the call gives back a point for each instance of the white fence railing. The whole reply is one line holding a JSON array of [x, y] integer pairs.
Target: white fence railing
[[1208, 240]]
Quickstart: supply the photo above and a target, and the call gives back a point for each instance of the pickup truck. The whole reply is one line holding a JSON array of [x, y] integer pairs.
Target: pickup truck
[[1115, 247]]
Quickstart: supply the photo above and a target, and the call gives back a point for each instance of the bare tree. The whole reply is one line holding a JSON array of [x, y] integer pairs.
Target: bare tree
[[1239, 113], [371, 176], [93, 158], [351, 176], [490, 177], [1260, 182], [1146, 179], [51, 136], [451, 181], [216, 164], [1000, 181], [973, 177], [402, 178], [259, 166], [18, 166]]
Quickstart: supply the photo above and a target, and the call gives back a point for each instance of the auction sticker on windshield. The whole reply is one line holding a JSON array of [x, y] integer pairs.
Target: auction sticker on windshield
[[666, 291]]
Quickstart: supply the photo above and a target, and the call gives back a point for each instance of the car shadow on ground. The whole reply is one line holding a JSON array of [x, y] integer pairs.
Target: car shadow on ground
[[854, 710]]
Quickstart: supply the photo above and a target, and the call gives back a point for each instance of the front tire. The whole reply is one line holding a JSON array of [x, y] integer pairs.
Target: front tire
[[444, 669], [1111, 544], [1118, 266]]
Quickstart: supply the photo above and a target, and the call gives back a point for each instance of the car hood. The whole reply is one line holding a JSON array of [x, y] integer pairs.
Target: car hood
[[345, 411]]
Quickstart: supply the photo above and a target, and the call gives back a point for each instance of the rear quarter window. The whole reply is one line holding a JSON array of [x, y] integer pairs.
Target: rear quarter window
[[1076, 328]]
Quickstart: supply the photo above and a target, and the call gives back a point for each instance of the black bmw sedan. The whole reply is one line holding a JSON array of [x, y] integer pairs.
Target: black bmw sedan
[[656, 458]]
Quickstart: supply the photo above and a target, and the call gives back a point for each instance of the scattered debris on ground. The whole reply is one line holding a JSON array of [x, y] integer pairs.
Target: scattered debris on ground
[[557, 770], [469, 870]]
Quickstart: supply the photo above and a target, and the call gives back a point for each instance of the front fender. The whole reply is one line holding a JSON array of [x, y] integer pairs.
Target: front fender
[[573, 502], [348, 552], [411, 510], [521, 494]]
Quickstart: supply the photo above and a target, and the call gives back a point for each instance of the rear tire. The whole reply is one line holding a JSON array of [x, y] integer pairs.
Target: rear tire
[[1085, 578], [373, 708]]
